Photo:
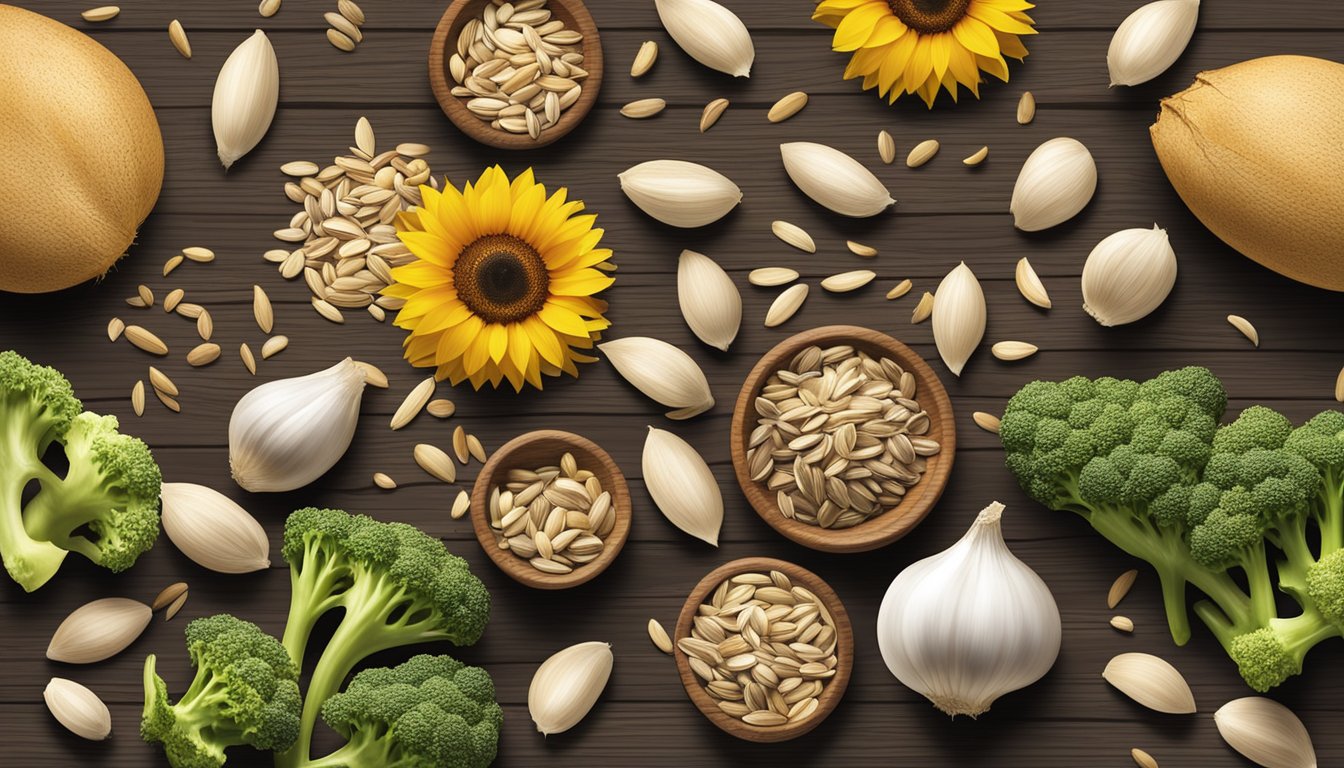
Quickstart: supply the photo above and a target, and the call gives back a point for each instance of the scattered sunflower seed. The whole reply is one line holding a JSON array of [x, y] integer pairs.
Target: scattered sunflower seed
[[793, 235], [922, 153], [848, 281], [175, 606], [460, 505], [787, 107], [1026, 108], [886, 147], [249, 361], [261, 309], [160, 381], [115, 326], [1122, 623], [274, 346], [383, 481], [101, 13], [415, 401], [199, 255], [168, 400], [1013, 350], [268, 8], [172, 263], [786, 305], [460, 444], [138, 398], [1247, 330], [434, 461], [638, 110], [659, 637], [900, 289], [923, 309], [1142, 759], [977, 157], [173, 298], [168, 595], [859, 249], [713, 111], [178, 37], [1120, 587], [644, 59], [203, 354], [144, 340], [986, 421], [373, 375], [441, 408], [771, 276]]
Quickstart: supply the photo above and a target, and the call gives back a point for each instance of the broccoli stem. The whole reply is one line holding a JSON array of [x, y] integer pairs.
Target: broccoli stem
[[318, 577], [1256, 567], [362, 749], [1331, 516], [29, 561], [1301, 633], [62, 508]]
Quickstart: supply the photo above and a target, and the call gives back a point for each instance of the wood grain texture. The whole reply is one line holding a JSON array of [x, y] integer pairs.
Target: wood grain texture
[[946, 214]]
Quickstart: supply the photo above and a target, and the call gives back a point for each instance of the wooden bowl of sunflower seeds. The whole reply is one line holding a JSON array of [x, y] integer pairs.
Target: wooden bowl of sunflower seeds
[[551, 509], [516, 75], [765, 649], [843, 438]]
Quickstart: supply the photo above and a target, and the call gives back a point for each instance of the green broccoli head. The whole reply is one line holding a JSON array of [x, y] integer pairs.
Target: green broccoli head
[[245, 692], [1262, 659], [1325, 587]]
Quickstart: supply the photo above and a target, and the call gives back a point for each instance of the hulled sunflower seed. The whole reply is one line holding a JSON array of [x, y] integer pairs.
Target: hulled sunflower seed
[[1122, 623], [711, 114], [644, 59], [922, 153], [268, 8], [638, 110], [923, 309], [274, 346], [434, 461], [168, 401], [848, 281], [249, 361], [786, 305], [414, 402], [168, 595], [787, 107], [173, 298], [1026, 108], [145, 341], [199, 254], [793, 235], [115, 326], [441, 409], [771, 276], [172, 263], [900, 289], [1247, 330], [859, 249], [1013, 350], [175, 606], [976, 157], [160, 381], [460, 505], [886, 147], [383, 481], [203, 354], [659, 637], [178, 37], [138, 398], [986, 421], [101, 13], [1120, 587]]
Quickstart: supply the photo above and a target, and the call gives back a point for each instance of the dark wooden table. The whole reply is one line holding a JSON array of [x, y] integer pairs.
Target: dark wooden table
[[947, 213]]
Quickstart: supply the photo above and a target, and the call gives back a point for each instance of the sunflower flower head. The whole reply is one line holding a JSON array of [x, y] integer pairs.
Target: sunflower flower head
[[503, 284], [921, 46]]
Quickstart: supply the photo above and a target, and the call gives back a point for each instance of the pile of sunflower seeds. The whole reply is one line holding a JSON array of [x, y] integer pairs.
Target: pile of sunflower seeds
[[518, 68], [555, 517], [764, 648], [346, 236], [839, 436]]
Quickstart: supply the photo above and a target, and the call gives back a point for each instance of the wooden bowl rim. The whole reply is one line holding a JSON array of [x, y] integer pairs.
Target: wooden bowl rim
[[889, 526], [456, 110], [830, 695], [613, 480]]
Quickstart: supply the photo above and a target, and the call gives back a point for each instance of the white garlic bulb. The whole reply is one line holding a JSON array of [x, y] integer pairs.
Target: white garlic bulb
[[246, 93], [287, 433], [834, 179], [1150, 40], [1055, 183], [1128, 275], [710, 33], [958, 317], [681, 194], [969, 624], [567, 685]]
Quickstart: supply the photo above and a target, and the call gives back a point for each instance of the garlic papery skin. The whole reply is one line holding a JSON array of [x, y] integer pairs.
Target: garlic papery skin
[[246, 93], [835, 180], [1265, 732], [212, 530], [1055, 183], [78, 709], [662, 372], [567, 685], [709, 301], [1128, 275], [1150, 40], [287, 433], [682, 485], [959, 315], [709, 33], [969, 624], [680, 194]]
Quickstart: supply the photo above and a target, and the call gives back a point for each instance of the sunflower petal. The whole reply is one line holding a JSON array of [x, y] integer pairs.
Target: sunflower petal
[[885, 32], [498, 341], [562, 319], [543, 338], [998, 19], [455, 341], [584, 282], [976, 36], [858, 25]]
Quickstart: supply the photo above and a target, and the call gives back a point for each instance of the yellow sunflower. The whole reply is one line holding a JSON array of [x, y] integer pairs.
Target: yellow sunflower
[[919, 46], [503, 284]]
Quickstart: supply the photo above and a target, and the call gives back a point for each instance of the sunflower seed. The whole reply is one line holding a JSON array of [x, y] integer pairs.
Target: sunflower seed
[[249, 361], [168, 595], [859, 249], [976, 157], [434, 461], [794, 235], [383, 481], [353, 12], [644, 59], [199, 255], [848, 281], [168, 401], [175, 606], [1122, 623], [460, 444], [1026, 108], [114, 328], [414, 402], [138, 398], [145, 295], [556, 509], [787, 107], [268, 8], [178, 37], [299, 168], [638, 110], [460, 505], [886, 147], [160, 381], [441, 409], [922, 153], [1339, 386], [101, 13], [923, 309], [327, 310], [771, 276], [475, 448], [373, 375], [1120, 587], [900, 289], [171, 264], [786, 305], [986, 421], [340, 41], [711, 114], [203, 354], [144, 340], [1247, 330], [659, 637], [1013, 350], [274, 346], [1030, 285], [347, 28], [205, 325]]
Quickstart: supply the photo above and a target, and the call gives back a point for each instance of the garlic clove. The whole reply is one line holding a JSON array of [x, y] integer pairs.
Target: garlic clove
[[246, 93], [1265, 732], [287, 433], [709, 301], [1128, 275], [709, 33], [680, 194], [567, 685], [682, 485], [662, 372], [212, 530], [1055, 183], [835, 180], [1152, 682], [1150, 40], [1029, 284], [958, 317], [98, 630], [78, 709]]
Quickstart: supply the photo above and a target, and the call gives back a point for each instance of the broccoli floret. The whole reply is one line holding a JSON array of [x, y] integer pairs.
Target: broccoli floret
[[429, 711], [245, 692], [1321, 441], [395, 585]]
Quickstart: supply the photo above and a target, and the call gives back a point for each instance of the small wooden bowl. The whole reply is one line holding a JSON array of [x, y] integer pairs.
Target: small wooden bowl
[[538, 449], [919, 499], [844, 649], [444, 44]]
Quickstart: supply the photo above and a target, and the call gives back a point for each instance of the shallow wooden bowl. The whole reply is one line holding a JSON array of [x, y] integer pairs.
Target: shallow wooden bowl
[[538, 449], [844, 649], [890, 525], [444, 44]]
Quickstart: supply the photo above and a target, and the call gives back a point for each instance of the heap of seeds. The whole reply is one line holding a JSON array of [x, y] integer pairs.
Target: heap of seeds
[[555, 517], [517, 68], [344, 27], [347, 226], [763, 648], [839, 436]]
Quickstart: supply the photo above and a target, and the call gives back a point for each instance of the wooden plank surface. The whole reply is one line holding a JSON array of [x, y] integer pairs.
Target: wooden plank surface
[[946, 214]]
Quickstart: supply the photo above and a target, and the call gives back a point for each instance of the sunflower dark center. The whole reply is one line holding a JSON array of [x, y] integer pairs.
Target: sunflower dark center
[[930, 17], [501, 278]]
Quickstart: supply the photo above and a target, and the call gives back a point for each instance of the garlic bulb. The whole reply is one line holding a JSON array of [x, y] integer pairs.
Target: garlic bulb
[[709, 33], [663, 372], [246, 93], [78, 709], [287, 433], [835, 180], [680, 194], [969, 624], [709, 300], [1055, 183], [1265, 732], [566, 686], [212, 530], [1150, 40], [958, 317], [1128, 275], [682, 485]]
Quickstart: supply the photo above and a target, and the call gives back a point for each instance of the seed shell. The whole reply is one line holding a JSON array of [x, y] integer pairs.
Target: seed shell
[[923, 309], [1247, 330], [168, 595], [1120, 587], [178, 37], [771, 276], [644, 59], [145, 341], [886, 147], [922, 153], [785, 305], [115, 326], [1013, 350], [859, 249], [643, 108], [794, 235], [414, 402], [711, 114], [787, 107], [986, 421], [1026, 108], [434, 461], [848, 281]]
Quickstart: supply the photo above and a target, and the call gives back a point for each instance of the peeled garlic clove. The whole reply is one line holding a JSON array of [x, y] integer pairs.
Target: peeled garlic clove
[[1265, 732], [1152, 682], [662, 372], [682, 485], [98, 630], [958, 317], [78, 709], [567, 685], [709, 33], [1030, 286], [1150, 40], [1128, 275], [709, 300], [287, 433], [679, 193], [1055, 183], [246, 93], [835, 180], [212, 530]]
